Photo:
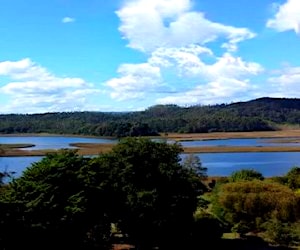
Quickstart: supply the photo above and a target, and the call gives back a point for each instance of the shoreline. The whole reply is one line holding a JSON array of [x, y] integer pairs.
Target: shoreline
[[55, 135], [96, 149], [233, 135], [285, 136]]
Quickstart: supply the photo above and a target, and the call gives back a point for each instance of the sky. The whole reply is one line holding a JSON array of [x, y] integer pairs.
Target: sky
[[129, 55]]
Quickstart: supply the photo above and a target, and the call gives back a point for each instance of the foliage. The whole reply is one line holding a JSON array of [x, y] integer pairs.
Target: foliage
[[285, 234], [68, 201], [246, 205], [256, 115], [291, 179], [55, 207], [193, 163], [158, 195], [246, 175], [206, 228]]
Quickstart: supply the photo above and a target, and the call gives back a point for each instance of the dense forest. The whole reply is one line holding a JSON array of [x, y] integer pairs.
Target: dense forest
[[144, 194], [257, 115]]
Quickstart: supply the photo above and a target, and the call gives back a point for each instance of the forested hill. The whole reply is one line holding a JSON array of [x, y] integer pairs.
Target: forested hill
[[256, 115]]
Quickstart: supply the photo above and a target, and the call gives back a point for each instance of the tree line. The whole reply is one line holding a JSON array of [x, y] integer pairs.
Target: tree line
[[145, 194], [257, 115]]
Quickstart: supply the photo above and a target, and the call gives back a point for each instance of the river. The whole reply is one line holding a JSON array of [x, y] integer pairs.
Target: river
[[218, 164]]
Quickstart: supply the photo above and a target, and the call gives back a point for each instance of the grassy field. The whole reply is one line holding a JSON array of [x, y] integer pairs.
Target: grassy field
[[283, 136]]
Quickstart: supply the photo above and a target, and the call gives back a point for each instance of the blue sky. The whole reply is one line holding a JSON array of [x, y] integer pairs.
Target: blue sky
[[125, 55]]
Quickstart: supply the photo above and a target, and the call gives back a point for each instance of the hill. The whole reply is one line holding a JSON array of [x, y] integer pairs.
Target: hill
[[263, 114]]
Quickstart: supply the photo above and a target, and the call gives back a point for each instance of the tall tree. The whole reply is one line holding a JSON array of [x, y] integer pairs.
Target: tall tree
[[159, 194], [56, 208]]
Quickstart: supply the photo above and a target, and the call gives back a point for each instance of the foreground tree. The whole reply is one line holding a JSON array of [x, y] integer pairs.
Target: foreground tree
[[54, 207], [158, 194], [68, 201]]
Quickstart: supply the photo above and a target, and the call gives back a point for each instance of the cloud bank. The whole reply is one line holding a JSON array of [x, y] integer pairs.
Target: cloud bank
[[33, 89], [177, 40]]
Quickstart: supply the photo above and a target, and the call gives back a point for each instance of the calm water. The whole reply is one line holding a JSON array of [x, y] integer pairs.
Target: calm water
[[238, 142], [52, 142], [221, 164], [269, 164], [17, 164]]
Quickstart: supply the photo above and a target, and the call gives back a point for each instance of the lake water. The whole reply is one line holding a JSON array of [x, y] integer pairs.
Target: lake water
[[257, 142], [218, 164], [52, 142], [267, 163], [221, 164]]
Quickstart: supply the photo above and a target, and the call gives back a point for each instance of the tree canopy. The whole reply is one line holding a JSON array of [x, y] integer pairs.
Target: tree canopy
[[256, 115], [70, 201]]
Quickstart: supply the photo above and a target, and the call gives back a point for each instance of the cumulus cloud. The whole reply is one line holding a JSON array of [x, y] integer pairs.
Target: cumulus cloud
[[287, 17], [225, 80], [151, 24], [222, 89], [189, 63], [177, 41], [135, 81], [286, 82], [33, 88], [68, 20]]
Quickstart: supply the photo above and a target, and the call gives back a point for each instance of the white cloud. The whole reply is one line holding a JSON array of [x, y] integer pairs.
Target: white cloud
[[176, 38], [186, 59], [151, 24], [189, 63], [226, 80], [135, 81], [34, 89], [286, 83], [287, 17], [233, 67], [222, 90], [68, 20]]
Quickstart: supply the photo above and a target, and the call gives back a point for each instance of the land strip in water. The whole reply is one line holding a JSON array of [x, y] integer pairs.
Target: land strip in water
[[285, 137]]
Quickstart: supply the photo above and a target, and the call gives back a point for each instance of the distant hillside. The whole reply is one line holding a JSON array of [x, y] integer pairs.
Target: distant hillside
[[255, 115]]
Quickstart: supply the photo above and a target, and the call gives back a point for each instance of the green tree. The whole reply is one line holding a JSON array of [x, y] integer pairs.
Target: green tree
[[246, 205], [293, 178], [158, 194], [56, 208], [193, 163], [246, 175]]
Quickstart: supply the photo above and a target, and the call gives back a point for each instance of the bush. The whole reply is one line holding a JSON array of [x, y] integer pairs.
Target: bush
[[284, 234], [246, 175], [206, 228], [246, 205]]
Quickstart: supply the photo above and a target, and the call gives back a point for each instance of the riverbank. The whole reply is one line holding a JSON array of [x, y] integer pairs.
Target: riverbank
[[292, 133], [283, 136]]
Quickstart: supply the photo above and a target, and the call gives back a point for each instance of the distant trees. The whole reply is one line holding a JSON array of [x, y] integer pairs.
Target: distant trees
[[291, 179], [257, 115], [246, 175]]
